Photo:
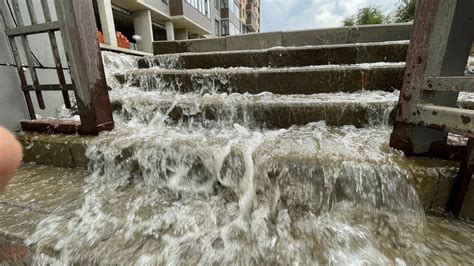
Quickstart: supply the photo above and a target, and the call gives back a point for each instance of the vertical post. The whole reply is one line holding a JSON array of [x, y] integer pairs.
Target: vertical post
[[143, 28], [439, 47], [107, 22], [170, 31], [77, 23], [462, 181], [26, 47], [56, 55]]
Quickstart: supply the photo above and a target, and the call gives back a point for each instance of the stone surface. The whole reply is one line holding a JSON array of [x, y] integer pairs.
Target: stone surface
[[35, 192], [282, 81], [360, 34], [168, 47], [225, 60], [315, 37], [290, 57], [53, 150], [396, 52], [11, 254], [47, 150], [198, 45], [380, 33], [272, 113], [252, 41]]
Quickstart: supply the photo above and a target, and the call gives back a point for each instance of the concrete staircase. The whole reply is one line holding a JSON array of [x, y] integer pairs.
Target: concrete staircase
[[353, 84], [348, 79], [174, 109]]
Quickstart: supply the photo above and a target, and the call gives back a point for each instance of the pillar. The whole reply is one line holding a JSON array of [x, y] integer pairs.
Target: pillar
[[170, 31], [107, 22], [144, 29]]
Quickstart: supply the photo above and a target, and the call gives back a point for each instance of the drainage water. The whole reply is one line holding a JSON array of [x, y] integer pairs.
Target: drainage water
[[167, 190]]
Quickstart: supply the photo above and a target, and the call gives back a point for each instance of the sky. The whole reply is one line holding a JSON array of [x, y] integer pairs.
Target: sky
[[279, 15]]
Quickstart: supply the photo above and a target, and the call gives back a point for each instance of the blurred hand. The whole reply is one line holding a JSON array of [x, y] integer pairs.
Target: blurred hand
[[11, 154]]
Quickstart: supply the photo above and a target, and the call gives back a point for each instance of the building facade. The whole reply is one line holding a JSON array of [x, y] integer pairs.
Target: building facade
[[135, 24]]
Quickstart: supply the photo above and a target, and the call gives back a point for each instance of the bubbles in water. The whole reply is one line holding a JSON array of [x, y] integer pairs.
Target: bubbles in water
[[198, 178]]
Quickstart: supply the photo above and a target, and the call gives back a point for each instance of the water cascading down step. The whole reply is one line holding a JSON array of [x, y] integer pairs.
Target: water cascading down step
[[272, 156]]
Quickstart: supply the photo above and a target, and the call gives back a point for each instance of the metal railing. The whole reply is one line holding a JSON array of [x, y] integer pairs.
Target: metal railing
[[76, 23], [434, 76]]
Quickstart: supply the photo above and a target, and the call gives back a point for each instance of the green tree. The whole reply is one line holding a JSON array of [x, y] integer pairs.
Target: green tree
[[405, 12], [366, 16]]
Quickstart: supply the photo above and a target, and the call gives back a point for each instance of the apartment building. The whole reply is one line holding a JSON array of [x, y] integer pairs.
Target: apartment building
[[135, 24], [250, 16], [239, 16]]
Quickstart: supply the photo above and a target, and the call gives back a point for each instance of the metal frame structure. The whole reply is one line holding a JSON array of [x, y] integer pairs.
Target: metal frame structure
[[76, 23], [435, 74]]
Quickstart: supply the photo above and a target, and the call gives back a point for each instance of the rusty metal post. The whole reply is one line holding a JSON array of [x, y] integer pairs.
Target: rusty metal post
[[462, 181], [78, 28], [440, 45]]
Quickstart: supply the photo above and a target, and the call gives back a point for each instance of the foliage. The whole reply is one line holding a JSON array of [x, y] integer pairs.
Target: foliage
[[365, 16], [405, 11]]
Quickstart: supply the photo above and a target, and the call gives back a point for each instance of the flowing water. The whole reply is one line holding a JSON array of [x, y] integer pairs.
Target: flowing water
[[193, 189]]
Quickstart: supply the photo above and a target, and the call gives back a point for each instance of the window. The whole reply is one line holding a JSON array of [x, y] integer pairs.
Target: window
[[224, 4], [228, 28], [206, 9], [201, 5], [225, 27], [216, 4], [232, 6]]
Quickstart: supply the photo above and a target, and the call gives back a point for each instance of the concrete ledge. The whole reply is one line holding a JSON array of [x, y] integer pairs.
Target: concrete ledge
[[330, 36], [168, 47], [286, 57], [106, 47], [287, 81], [56, 150], [264, 112], [218, 44], [315, 37], [380, 33], [252, 41], [431, 178]]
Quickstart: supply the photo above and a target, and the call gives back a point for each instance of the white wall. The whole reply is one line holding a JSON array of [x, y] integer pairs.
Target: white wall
[[12, 104]]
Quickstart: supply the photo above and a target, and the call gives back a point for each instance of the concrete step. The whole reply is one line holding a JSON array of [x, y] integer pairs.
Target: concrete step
[[298, 80], [265, 110], [345, 54], [431, 178], [329, 36]]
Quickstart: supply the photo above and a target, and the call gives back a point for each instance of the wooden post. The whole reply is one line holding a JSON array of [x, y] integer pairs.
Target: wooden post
[[78, 28]]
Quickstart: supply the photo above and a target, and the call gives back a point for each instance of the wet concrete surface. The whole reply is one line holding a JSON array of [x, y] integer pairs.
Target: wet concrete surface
[[35, 192], [39, 191]]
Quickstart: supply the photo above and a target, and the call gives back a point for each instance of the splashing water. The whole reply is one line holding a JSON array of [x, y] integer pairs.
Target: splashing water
[[192, 191]]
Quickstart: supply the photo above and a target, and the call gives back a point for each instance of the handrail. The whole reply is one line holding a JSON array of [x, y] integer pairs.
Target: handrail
[[427, 110], [76, 23]]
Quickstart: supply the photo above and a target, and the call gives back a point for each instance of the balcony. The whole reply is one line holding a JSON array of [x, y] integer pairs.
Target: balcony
[[251, 22]]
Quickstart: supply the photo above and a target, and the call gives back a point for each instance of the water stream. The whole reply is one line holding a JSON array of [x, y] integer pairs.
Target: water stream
[[192, 189]]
